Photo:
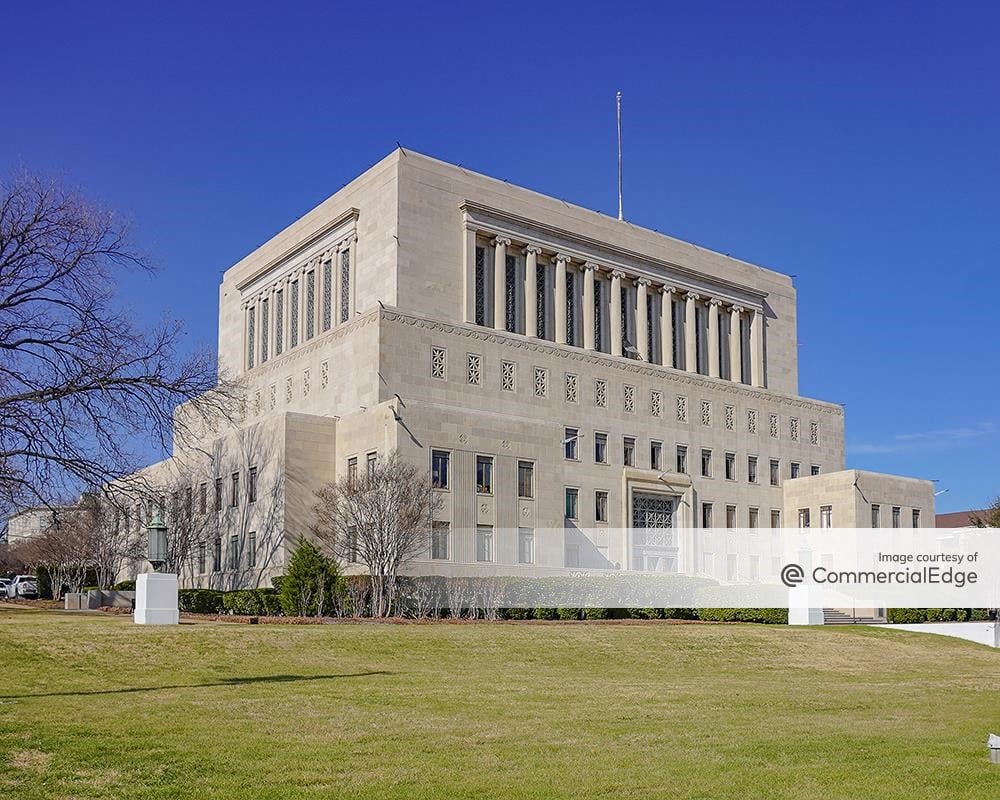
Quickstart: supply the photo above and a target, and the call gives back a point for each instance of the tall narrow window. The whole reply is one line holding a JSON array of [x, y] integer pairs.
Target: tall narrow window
[[484, 474], [327, 295], [372, 463], [598, 315], [310, 304], [345, 285], [352, 470], [203, 498], [252, 485], [730, 466], [540, 295], [480, 285], [916, 518], [218, 494], [804, 521], [251, 331], [279, 321], [201, 557], [252, 549], [293, 316], [706, 463], [753, 520], [440, 463], [571, 438], [572, 503], [682, 459], [826, 516], [706, 515], [895, 517], [624, 321], [525, 546], [234, 498], [600, 448], [439, 540], [649, 327], [265, 323], [775, 471], [600, 506], [217, 554], [525, 480], [484, 543], [234, 552], [775, 519], [510, 294], [570, 308], [628, 451], [655, 455], [752, 469]]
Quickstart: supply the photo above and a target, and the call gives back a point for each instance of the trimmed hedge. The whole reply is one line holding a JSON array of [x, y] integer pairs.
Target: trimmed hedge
[[253, 603], [124, 586], [200, 601], [765, 616], [915, 616]]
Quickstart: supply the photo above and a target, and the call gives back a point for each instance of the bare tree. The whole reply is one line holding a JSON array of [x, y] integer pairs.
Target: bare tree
[[988, 518], [79, 379], [381, 519]]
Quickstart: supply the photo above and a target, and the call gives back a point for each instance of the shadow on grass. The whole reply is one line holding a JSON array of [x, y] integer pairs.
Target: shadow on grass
[[210, 684]]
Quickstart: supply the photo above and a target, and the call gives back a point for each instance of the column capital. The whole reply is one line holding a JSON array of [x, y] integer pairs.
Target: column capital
[[532, 249], [591, 266], [617, 273], [665, 290], [563, 257], [642, 281], [715, 302], [693, 296], [737, 309], [501, 241]]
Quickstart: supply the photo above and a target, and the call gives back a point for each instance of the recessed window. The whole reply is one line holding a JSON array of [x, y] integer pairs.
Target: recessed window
[[795, 469], [916, 518], [571, 440], [203, 498], [234, 498], [895, 517], [628, 451], [252, 549], [439, 540], [352, 470], [572, 503], [218, 496], [484, 543], [826, 516], [601, 448], [706, 463], [440, 465], [775, 471], [601, 506], [730, 466], [876, 515], [775, 518], [814, 469], [217, 554], [752, 469], [525, 546], [201, 557], [804, 518], [753, 518], [371, 462], [682, 459], [484, 474], [234, 552], [706, 515], [526, 479], [252, 485], [731, 517], [655, 455]]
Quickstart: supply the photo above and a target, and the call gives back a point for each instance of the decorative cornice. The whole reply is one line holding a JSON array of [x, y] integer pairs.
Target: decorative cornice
[[620, 363]]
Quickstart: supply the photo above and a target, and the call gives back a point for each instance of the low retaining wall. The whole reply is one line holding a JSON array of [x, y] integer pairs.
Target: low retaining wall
[[96, 598], [987, 633]]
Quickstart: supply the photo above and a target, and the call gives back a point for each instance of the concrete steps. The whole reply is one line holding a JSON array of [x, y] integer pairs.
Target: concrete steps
[[833, 616]]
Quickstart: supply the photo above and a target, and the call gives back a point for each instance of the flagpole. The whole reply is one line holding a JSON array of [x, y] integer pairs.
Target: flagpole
[[618, 102]]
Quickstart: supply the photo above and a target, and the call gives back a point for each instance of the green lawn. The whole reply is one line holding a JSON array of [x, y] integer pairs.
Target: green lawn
[[93, 706]]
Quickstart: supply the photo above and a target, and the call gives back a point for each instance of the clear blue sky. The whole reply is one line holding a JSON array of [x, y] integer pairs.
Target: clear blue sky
[[854, 146]]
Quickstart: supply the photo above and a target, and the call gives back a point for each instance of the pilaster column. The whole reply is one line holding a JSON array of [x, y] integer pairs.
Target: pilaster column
[[736, 344], [691, 332], [615, 323], [589, 330], [561, 261], [714, 362], [500, 283], [531, 291], [667, 325], [757, 347], [641, 319], [302, 306], [470, 277]]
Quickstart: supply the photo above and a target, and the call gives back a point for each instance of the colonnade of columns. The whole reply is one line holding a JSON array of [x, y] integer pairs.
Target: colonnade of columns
[[693, 331], [280, 316]]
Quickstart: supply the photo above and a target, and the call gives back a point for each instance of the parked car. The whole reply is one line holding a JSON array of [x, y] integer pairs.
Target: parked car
[[4, 583], [23, 586]]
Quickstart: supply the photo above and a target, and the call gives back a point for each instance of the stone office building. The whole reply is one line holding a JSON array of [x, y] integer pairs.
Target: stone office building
[[578, 386]]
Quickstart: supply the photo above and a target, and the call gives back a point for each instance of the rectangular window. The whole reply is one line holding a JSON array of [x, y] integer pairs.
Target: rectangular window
[[371, 462], [352, 545], [775, 471], [628, 451], [525, 480], [327, 295], [731, 517], [682, 459], [803, 517], [484, 543], [876, 515], [795, 469], [480, 285], [201, 557], [753, 518], [895, 517], [572, 503], [730, 466], [218, 494], [293, 315], [775, 518], [601, 506], [600, 448], [234, 498], [752, 469], [655, 455], [217, 554], [252, 549], [352, 470], [916, 518], [345, 285], [706, 515], [265, 324], [571, 438], [251, 331], [440, 460], [814, 469], [203, 498], [826, 516], [706, 463], [525, 546], [484, 474], [252, 485], [510, 293], [439, 540], [279, 321], [310, 304], [474, 369]]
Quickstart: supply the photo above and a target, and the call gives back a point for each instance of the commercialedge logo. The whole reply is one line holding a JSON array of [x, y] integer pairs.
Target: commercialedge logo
[[793, 575]]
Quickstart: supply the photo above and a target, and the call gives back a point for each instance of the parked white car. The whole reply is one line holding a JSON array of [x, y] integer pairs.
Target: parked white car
[[4, 583], [23, 586]]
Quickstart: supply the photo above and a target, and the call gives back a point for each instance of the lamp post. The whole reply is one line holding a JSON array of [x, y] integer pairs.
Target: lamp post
[[156, 542], [156, 591]]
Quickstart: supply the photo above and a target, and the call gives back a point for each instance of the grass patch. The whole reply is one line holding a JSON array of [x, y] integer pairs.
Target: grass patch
[[95, 707]]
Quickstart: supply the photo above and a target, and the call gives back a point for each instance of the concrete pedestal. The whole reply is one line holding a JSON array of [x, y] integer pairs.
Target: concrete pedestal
[[799, 612], [156, 599]]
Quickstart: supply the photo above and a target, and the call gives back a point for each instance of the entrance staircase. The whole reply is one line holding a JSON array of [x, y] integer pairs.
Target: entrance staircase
[[836, 616]]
